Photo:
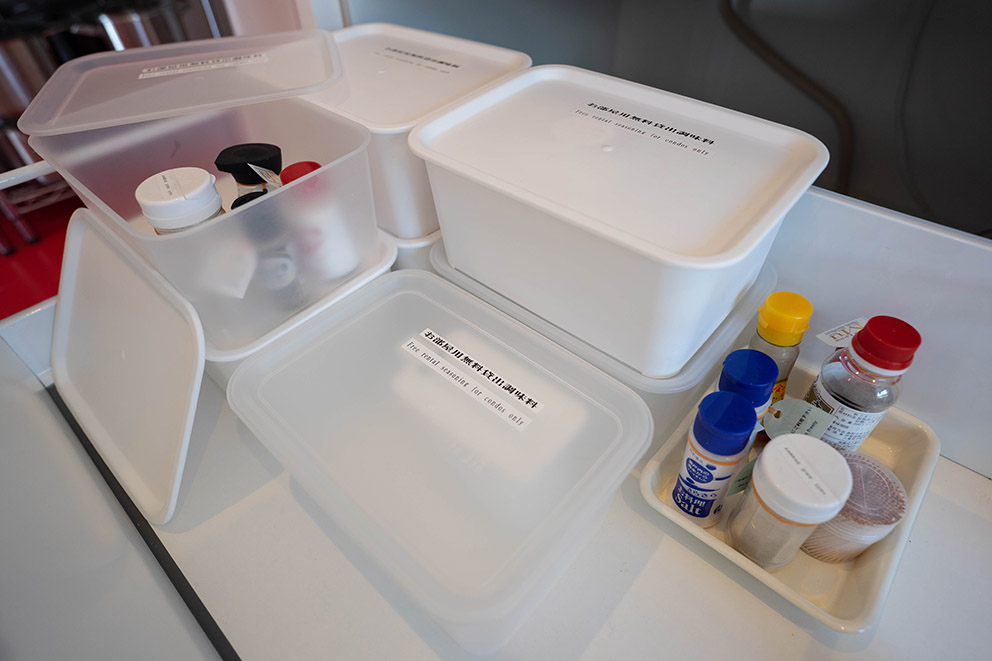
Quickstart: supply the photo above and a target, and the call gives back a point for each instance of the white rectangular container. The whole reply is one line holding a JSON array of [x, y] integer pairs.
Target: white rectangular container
[[629, 217], [468, 456], [668, 398], [397, 76], [108, 121]]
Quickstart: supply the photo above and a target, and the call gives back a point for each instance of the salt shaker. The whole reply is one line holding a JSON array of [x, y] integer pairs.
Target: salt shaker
[[798, 483]]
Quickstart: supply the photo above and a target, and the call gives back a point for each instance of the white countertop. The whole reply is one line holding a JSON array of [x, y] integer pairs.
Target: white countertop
[[283, 582]]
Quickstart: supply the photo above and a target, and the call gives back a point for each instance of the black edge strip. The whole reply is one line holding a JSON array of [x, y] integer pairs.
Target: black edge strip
[[154, 544]]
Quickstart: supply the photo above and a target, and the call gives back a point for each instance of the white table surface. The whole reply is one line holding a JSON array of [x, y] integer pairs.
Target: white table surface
[[283, 582]]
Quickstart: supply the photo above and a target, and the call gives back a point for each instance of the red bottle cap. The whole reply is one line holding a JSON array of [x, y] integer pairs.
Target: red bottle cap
[[297, 170], [887, 342]]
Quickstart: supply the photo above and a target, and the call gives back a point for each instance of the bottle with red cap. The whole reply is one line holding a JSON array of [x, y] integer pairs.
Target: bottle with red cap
[[858, 383]]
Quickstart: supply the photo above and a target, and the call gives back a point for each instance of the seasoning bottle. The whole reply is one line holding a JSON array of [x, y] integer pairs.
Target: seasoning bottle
[[237, 159], [320, 232], [177, 199], [716, 446], [797, 484], [751, 374], [277, 272], [782, 320], [858, 383], [876, 506]]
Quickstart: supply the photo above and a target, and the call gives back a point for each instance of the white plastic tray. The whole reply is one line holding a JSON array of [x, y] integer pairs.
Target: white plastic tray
[[847, 596]]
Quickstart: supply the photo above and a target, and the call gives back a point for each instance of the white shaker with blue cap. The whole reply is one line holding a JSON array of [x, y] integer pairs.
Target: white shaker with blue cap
[[717, 444]]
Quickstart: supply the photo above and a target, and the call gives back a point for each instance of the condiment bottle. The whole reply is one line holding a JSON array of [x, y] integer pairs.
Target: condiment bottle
[[277, 271], [797, 484], [782, 320], [236, 160], [717, 444], [876, 506], [858, 383], [177, 199], [751, 374]]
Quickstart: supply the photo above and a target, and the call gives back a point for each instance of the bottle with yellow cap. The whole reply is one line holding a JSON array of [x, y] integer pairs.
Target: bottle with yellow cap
[[782, 320]]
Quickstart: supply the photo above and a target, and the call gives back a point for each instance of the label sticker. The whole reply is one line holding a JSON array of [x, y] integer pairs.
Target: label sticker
[[794, 416], [420, 60], [811, 478], [673, 136], [470, 375], [742, 479], [841, 335], [848, 427], [202, 65]]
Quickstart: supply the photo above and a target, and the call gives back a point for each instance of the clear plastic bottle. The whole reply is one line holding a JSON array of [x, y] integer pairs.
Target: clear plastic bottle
[[782, 320], [858, 383], [798, 483]]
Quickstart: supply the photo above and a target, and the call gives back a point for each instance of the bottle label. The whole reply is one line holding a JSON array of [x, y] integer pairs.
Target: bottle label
[[702, 484], [840, 336], [849, 427], [778, 391]]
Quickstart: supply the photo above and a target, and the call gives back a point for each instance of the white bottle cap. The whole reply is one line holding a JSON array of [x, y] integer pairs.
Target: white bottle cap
[[802, 479], [178, 198]]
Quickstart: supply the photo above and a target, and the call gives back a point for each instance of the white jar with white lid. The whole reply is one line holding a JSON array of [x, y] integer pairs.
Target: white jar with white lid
[[177, 199], [798, 483]]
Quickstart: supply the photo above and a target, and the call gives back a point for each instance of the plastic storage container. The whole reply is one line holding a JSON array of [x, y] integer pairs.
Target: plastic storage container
[[129, 354], [632, 218], [108, 121], [397, 76], [668, 398], [467, 455]]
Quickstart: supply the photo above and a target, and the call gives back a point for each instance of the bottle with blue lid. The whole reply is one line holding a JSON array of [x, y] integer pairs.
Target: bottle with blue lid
[[718, 442], [752, 375]]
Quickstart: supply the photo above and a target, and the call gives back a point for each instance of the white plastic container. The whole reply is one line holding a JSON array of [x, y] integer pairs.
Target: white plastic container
[[416, 253], [632, 218], [468, 456], [129, 354], [397, 76], [108, 121], [668, 398]]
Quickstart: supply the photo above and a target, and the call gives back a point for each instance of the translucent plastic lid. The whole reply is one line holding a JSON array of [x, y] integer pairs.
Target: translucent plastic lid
[[134, 85], [664, 175], [396, 75], [127, 358], [453, 443]]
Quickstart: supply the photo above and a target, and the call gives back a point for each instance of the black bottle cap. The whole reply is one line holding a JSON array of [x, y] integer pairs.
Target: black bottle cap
[[246, 198], [234, 160]]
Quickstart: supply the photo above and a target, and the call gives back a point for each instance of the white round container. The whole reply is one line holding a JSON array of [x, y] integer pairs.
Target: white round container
[[178, 198], [798, 483], [876, 506]]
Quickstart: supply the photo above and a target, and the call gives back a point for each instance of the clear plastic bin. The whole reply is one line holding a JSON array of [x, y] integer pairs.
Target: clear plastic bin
[[108, 121]]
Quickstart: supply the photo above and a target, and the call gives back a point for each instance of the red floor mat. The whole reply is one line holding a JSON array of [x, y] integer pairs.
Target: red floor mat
[[31, 274]]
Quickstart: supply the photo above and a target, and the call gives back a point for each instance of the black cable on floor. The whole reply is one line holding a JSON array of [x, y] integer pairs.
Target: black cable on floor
[[154, 544], [837, 112]]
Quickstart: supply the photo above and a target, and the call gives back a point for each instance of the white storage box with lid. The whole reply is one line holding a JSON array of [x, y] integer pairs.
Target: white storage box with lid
[[468, 456], [397, 76], [630, 217], [108, 121], [129, 354], [667, 398]]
